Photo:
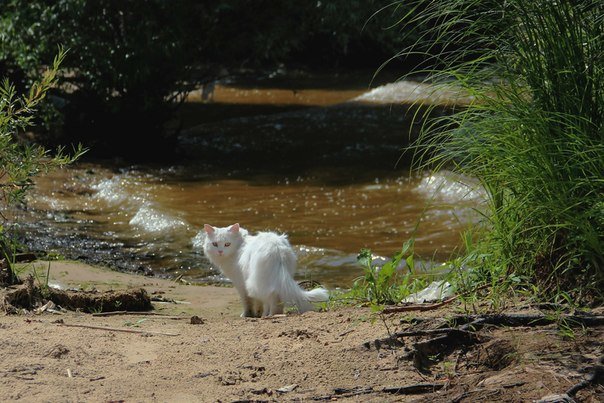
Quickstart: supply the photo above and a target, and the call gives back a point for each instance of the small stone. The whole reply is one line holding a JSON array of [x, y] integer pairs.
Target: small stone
[[57, 351], [288, 388], [196, 320]]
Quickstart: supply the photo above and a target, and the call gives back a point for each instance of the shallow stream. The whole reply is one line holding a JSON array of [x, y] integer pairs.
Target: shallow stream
[[323, 166]]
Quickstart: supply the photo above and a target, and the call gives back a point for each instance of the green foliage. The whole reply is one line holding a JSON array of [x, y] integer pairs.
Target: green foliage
[[42, 280], [386, 285], [139, 322], [133, 61], [533, 136], [20, 162], [303, 33], [130, 62]]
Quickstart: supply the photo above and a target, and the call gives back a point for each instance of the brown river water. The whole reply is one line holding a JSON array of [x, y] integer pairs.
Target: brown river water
[[321, 164]]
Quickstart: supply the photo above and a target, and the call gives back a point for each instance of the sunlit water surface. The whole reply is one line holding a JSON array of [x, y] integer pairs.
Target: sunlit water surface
[[154, 216], [347, 193]]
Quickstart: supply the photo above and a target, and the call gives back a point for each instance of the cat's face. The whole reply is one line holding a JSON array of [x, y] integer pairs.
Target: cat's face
[[222, 242]]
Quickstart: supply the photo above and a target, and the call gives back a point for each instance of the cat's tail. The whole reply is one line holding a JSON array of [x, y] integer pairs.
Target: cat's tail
[[317, 295], [293, 294]]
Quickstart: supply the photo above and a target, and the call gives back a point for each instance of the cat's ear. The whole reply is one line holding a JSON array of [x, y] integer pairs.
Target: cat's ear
[[234, 228], [208, 228]]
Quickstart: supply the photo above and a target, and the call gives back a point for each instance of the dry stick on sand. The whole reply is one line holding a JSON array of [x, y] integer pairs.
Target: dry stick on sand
[[415, 389], [139, 313], [117, 329]]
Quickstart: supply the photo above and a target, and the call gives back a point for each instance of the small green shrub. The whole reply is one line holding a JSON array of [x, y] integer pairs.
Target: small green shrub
[[385, 285], [20, 162]]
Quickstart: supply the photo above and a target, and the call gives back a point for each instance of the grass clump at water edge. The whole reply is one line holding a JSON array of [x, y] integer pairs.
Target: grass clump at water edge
[[533, 135]]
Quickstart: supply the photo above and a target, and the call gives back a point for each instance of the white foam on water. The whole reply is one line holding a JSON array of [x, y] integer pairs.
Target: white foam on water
[[407, 91], [307, 250], [114, 191], [49, 203], [449, 187], [402, 91], [125, 192], [151, 219]]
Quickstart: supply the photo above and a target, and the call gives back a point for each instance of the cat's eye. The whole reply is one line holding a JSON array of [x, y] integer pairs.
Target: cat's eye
[[227, 244], [215, 244]]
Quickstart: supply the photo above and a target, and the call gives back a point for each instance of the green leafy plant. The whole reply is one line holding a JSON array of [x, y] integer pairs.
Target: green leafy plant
[[130, 323], [20, 161], [386, 284]]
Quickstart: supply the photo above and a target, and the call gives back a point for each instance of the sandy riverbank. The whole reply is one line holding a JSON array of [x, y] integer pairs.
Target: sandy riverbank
[[314, 356]]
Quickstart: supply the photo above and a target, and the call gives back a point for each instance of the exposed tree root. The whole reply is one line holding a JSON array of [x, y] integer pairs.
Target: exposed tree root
[[462, 332], [594, 378], [29, 296], [415, 389], [476, 322], [419, 388]]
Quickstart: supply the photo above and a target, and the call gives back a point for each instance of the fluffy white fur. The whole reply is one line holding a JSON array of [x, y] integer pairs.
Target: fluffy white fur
[[261, 268]]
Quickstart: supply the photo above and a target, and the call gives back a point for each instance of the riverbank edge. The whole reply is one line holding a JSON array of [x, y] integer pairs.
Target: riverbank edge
[[82, 276], [328, 355]]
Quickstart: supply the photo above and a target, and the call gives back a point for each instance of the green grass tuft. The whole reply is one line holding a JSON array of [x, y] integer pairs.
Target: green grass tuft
[[533, 135]]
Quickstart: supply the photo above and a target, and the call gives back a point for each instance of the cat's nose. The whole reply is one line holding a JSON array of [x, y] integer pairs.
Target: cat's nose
[[220, 252]]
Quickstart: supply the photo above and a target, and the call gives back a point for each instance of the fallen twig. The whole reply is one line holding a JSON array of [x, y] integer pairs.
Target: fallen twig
[[137, 313], [163, 300], [418, 388], [117, 329], [275, 316], [346, 392], [346, 332]]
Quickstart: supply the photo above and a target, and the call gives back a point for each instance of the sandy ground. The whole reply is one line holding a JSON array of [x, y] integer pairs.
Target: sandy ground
[[311, 357]]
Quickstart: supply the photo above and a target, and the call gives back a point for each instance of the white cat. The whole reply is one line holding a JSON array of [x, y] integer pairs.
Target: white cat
[[261, 268]]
